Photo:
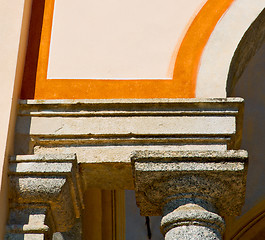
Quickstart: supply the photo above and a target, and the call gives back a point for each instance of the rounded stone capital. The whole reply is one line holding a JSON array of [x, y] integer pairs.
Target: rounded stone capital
[[189, 217]]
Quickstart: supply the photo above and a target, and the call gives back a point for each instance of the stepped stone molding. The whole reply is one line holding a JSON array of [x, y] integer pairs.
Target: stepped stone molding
[[183, 166], [130, 121], [104, 133], [192, 189], [49, 184]]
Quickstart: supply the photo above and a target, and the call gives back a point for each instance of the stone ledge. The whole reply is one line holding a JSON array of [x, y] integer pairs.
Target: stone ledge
[[117, 122], [203, 156]]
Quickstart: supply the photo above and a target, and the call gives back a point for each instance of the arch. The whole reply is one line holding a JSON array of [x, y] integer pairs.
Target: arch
[[249, 226], [251, 86], [246, 79], [248, 46], [222, 45], [184, 66]]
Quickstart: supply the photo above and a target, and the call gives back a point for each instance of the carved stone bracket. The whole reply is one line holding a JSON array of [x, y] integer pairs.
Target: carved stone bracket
[[45, 195], [192, 189]]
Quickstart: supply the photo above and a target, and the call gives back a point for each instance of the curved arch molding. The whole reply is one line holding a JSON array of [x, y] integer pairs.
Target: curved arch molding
[[182, 84], [220, 49], [248, 226], [249, 45]]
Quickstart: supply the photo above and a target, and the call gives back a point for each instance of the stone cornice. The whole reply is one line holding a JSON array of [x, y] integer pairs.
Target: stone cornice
[[103, 133], [115, 113], [154, 121]]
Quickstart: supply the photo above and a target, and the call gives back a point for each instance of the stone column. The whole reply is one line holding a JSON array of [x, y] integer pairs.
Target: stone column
[[191, 218], [193, 190], [45, 196]]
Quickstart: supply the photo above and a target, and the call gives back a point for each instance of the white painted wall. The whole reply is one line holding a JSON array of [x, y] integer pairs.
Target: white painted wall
[[117, 39]]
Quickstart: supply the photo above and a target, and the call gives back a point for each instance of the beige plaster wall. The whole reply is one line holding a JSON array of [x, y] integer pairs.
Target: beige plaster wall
[[14, 19], [117, 39]]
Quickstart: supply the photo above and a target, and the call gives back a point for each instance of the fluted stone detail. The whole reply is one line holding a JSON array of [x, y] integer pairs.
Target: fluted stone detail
[[193, 190]]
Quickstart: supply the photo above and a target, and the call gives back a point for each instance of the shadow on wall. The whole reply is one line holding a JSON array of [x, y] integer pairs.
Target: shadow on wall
[[248, 47], [136, 225], [251, 86]]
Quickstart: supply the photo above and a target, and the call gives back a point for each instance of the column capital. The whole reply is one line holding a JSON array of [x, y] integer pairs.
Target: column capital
[[218, 177], [50, 180]]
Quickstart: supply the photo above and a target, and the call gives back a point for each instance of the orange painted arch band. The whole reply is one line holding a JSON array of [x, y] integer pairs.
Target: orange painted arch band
[[182, 85]]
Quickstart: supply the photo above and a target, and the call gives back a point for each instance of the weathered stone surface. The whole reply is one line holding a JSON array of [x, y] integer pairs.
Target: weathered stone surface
[[103, 133], [218, 176], [75, 233], [20, 236], [191, 188], [52, 180], [114, 162], [128, 122], [30, 222], [191, 218], [193, 232]]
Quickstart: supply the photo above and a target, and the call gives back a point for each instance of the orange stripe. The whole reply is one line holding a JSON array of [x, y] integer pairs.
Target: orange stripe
[[184, 75], [196, 38]]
